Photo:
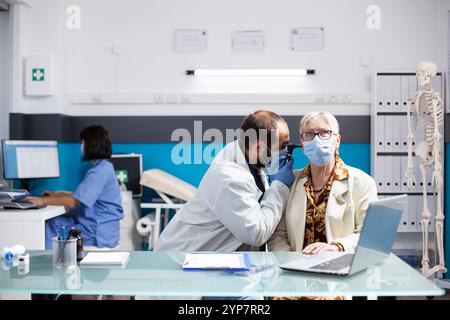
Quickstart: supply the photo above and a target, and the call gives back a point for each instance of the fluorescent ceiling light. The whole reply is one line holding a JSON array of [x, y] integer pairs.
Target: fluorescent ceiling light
[[250, 72]]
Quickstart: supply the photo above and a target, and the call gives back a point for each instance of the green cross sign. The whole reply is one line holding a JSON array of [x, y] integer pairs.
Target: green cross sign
[[122, 175], [38, 74]]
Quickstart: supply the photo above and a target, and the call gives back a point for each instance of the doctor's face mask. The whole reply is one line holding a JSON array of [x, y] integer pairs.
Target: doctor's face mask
[[277, 160]]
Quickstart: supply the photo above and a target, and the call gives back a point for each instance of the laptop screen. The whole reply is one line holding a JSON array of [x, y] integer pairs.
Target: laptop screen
[[379, 232]]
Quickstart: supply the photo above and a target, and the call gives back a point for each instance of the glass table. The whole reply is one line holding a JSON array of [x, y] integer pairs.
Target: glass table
[[160, 274]]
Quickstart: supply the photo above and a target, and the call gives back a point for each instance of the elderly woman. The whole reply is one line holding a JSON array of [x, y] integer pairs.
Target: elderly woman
[[328, 200]]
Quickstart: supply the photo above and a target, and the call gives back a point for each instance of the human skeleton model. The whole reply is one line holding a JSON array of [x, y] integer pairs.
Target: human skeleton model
[[429, 114]]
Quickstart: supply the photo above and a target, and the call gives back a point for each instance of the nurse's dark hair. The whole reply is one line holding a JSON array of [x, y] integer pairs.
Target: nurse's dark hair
[[97, 144], [262, 123]]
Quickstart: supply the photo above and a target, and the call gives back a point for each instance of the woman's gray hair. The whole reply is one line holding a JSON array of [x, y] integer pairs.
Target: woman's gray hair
[[320, 115]]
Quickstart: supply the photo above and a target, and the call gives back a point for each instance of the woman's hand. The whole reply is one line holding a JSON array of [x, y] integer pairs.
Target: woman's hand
[[37, 201], [317, 247]]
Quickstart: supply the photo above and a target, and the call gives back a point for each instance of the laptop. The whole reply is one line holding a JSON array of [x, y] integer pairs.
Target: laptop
[[375, 242]]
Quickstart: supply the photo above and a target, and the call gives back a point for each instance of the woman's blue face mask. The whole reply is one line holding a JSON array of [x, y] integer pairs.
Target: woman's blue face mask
[[318, 151]]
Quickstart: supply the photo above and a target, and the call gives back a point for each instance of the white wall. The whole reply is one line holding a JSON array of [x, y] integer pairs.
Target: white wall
[[411, 30], [5, 79], [5, 74]]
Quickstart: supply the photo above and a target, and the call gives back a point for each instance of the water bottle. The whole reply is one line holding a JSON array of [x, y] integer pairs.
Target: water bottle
[[9, 253]]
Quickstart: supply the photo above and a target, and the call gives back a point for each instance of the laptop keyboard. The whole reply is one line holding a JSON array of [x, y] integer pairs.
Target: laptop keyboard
[[335, 264]]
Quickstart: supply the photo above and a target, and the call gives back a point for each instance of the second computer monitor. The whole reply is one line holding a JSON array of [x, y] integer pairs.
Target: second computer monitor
[[128, 168]]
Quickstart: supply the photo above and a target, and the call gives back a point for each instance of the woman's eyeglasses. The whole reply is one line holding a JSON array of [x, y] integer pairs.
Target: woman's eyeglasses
[[323, 134]]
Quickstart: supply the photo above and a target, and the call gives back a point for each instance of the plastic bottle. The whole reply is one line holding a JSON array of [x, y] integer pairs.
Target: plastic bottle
[[77, 234], [9, 253]]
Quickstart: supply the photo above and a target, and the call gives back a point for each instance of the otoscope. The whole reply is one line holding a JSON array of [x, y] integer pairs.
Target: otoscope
[[291, 147]]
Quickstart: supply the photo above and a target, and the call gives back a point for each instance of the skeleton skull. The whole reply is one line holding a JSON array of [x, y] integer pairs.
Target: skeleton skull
[[424, 71]]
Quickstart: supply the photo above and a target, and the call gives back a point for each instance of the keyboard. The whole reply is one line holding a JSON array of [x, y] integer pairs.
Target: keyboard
[[19, 204], [335, 264]]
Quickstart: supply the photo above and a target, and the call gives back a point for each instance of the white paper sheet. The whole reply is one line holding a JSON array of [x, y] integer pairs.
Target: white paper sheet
[[213, 261], [105, 258]]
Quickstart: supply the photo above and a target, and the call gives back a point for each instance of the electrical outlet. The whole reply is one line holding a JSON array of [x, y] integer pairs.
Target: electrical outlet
[[346, 98], [332, 98], [172, 98], [97, 98], [319, 99], [184, 98], [365, 61], [159, 98]]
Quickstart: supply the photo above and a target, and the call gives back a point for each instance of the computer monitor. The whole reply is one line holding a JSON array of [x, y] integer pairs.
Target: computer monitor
[[128, 168], [30, 159]]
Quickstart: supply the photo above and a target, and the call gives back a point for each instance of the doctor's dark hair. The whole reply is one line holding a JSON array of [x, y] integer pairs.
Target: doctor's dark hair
[[263, 123], [96, 143]]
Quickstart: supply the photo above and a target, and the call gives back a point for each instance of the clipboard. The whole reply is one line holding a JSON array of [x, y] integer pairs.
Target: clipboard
[[217, 261]]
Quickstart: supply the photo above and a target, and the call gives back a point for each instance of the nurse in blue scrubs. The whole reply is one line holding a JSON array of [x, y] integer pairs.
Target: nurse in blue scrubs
[[96, 204]]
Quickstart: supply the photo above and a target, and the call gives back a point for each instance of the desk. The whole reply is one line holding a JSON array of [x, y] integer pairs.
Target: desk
[[160, 274], [26, 227]]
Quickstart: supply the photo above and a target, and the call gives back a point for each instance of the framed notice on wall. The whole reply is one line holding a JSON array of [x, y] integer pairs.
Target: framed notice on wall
[[307, 39], [247, 41], [189, 41]]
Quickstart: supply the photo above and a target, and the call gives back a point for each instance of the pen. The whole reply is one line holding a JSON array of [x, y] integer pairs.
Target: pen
[[62, 237], [63, 233], [187, 262]]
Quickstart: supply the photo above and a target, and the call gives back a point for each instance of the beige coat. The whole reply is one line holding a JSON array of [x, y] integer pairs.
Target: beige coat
[[346, 209]]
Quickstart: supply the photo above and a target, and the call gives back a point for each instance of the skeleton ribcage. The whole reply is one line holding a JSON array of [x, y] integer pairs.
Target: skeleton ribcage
[[425, 116]]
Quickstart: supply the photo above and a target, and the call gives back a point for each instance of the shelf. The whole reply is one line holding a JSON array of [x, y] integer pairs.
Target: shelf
[[308, 98], [394, 154], [407, 193], [392, 113], [401, 73]]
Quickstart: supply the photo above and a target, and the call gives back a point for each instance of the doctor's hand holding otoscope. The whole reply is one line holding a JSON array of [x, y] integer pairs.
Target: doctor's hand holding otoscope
[[286, 161]]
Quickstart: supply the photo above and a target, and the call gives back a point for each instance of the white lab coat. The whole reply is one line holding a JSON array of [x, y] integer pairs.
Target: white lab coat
[[225, 213]]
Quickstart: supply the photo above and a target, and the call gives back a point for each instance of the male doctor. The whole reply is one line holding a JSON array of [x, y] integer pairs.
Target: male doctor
[[234, 207]]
